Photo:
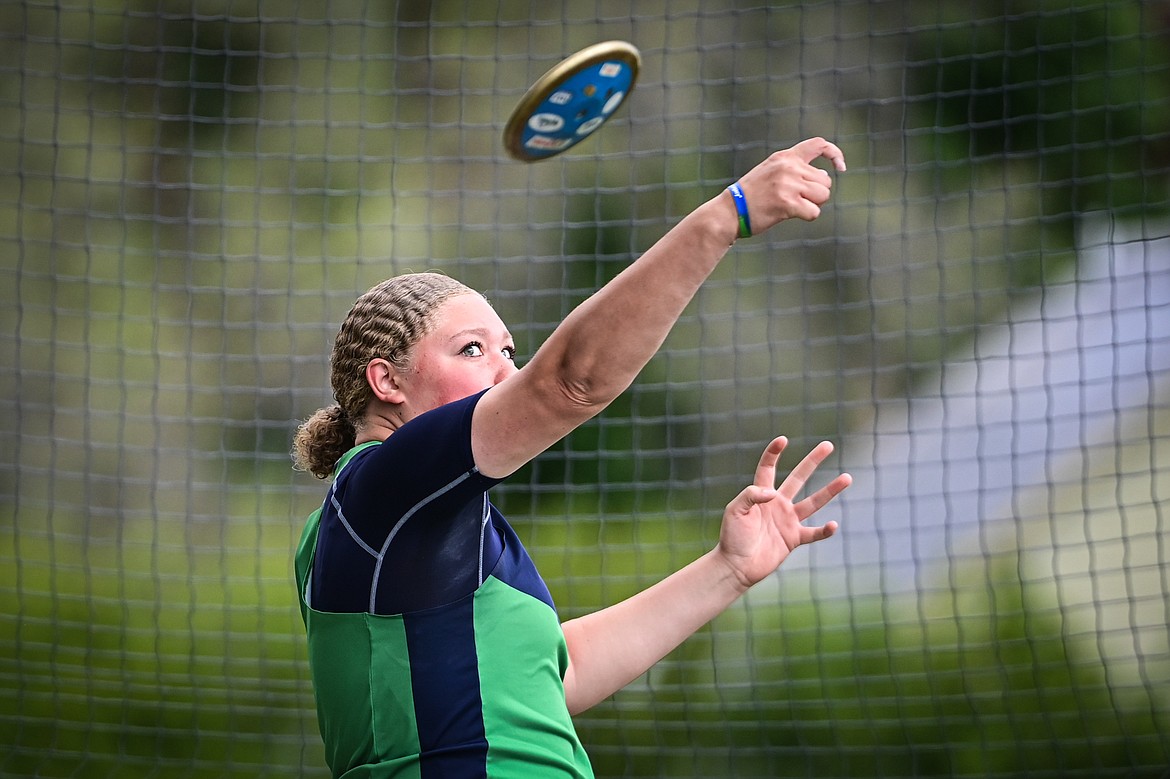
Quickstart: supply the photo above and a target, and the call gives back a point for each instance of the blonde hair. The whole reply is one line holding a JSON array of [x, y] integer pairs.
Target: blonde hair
[[386, 321]]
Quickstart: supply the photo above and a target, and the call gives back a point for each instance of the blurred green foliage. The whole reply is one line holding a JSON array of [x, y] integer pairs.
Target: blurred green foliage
[[1068, 99], [193, 193]]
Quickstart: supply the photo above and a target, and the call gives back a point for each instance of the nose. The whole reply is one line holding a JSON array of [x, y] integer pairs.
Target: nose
[[504, 368]]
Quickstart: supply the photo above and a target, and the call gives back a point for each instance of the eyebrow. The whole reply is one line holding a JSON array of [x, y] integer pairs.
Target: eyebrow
[[478, 332]]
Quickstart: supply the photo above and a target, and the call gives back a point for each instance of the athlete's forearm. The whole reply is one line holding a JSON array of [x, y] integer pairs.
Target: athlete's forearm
[[610, 648], [598, 350], [602, 345], [606, 341]]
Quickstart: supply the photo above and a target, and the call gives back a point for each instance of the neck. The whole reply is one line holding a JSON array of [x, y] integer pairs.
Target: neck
[[377, 425]]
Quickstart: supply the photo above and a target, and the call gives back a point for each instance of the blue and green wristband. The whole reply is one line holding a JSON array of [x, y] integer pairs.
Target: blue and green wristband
[[741, 208]]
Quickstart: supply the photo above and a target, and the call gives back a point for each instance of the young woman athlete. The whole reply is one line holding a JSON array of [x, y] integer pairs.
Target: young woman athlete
[[434, 645]]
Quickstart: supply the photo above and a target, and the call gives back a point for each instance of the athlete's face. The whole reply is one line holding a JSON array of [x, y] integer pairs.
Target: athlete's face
[[467, 350]]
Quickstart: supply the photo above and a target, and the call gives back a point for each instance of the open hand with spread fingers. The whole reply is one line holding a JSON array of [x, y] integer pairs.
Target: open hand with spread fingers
[[763, 524]]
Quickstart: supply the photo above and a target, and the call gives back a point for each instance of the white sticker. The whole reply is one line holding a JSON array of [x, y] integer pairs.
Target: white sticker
[[613, 102], [610, 69], [560, 97], [590, 125], [546, 123], [546, 143]]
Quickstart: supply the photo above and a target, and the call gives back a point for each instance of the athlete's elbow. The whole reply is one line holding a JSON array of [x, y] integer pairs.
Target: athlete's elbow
[[583, 394]]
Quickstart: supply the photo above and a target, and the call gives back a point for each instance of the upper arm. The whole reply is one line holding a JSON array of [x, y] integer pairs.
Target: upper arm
[[577, 700], [522, 416]]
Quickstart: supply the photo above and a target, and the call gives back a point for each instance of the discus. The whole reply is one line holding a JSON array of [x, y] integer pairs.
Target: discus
[[572, 100]]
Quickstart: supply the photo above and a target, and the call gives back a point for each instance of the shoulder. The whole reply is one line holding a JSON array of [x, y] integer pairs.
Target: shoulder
[[443, 432], [434, 447]]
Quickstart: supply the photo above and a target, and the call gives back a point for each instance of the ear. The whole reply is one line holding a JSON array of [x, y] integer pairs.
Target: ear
[[382, 377]]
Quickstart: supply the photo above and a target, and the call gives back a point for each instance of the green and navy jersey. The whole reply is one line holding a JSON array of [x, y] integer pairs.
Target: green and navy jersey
[[434, 644]]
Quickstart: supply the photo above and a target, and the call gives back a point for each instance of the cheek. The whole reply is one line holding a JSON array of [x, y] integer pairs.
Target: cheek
[[451, 383], [456, 388]]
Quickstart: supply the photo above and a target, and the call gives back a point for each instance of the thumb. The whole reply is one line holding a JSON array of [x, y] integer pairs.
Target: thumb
[[812, 148], [752, 495]]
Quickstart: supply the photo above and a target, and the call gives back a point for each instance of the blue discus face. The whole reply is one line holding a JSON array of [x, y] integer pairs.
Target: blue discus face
[[576, 108]]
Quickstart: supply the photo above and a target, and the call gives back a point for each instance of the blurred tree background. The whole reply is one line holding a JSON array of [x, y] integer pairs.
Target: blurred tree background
[[192, 195]]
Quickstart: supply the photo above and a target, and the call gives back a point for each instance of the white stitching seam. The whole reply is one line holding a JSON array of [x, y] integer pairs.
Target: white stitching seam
[[482, 534], [348, 528], [380, 556]]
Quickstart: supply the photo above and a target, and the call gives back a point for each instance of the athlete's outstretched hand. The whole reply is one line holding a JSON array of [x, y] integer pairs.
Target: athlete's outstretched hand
[[762, 524], [610, 648], [787, 184]]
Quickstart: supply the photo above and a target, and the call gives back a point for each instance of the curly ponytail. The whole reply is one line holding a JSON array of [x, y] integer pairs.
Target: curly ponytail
[[386, 321], [321, 440]]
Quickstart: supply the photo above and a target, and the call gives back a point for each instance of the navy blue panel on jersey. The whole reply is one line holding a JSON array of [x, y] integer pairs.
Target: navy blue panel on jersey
[[405, 527], [447, 705], [516, 569]]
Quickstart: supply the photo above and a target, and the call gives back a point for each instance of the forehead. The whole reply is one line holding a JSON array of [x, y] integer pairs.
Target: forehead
[[466, 312]]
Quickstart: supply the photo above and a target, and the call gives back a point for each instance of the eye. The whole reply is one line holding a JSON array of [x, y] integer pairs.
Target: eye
[[509, 352], [473, 349]]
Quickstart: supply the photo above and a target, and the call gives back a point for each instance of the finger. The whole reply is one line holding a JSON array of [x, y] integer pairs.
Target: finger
[[804, 469], [812, 534], [815, 502], [815, 175], [811, 196], [813, 148], [807, 211], [766, 469], [815, 192]]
